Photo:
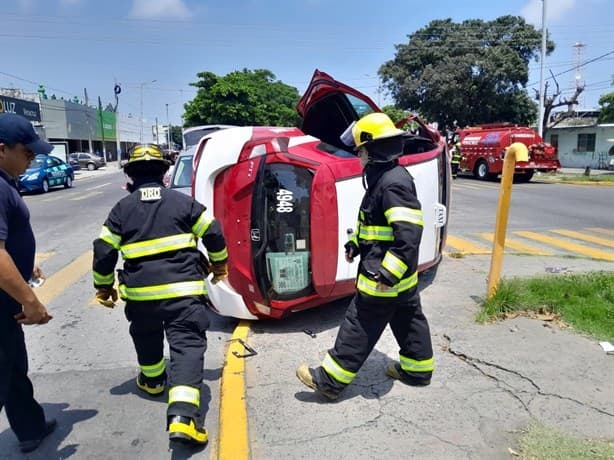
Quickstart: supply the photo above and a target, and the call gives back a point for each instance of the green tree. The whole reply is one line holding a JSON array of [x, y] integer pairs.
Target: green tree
[[468, 73], [606, 101], [176, 135], [242, 97]]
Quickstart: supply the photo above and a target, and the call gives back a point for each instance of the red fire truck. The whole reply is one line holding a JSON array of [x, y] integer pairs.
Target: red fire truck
[[483, 149]]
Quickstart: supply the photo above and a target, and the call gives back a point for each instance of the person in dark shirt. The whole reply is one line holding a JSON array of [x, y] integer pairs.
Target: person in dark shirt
[[19, 305]]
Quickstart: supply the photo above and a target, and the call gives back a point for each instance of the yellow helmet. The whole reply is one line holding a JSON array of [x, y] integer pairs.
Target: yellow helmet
[[373, 127], [142, 154]]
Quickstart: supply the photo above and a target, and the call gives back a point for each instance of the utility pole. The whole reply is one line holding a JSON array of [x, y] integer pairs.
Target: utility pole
[[157, 134], [168, 131], [542, 84], [104, 148], [141, 85], [87, 119]]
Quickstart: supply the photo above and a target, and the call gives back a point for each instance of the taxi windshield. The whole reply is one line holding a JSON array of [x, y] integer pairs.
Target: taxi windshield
[[280, 230]]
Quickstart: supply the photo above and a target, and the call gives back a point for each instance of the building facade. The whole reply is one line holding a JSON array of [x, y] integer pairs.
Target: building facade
[[582, 142], [80, 127]]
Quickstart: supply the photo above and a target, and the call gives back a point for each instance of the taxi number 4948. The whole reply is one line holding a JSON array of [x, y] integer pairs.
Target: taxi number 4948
[[285, 200]]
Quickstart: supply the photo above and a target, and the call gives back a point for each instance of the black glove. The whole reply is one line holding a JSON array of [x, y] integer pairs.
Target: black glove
[[351, 251]]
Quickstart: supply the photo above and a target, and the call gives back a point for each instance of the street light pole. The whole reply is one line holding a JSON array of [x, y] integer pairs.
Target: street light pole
[[141, 85], [542, 84], [168, 131]]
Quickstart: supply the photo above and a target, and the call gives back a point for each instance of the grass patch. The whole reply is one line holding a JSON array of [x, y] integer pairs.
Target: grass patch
[[582, 178], [542, 443], [584, 300]]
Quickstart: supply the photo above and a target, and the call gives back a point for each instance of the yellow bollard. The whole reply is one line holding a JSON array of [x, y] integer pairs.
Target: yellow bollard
[[515, 152]]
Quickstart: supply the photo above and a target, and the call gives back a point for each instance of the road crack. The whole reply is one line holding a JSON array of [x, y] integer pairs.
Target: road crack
[[476, 362]]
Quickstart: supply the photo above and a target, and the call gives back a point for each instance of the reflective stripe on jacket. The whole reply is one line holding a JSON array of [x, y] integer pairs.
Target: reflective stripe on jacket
[[389, 230], [156, 230]]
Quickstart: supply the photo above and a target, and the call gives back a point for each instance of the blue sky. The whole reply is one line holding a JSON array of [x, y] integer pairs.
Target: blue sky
[[68, 45]]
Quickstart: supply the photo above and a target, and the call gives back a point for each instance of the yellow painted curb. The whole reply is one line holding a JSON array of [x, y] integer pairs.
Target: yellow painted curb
[[57, 283], [233, 441]]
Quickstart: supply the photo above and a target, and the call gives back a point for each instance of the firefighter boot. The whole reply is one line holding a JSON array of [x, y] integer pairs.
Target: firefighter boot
[[394, 370], [184, 429], [305, 375], [153, 386]]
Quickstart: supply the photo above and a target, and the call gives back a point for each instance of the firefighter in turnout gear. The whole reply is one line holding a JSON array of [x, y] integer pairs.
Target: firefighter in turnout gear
[[163, 284], [387, 238], [456, 159]]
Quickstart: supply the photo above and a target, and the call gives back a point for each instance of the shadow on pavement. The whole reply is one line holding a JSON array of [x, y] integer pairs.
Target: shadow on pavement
[[370, 383], [49, 448]]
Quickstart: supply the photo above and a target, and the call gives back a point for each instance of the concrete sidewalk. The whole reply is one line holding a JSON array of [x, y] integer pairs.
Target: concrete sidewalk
[[490, 381]]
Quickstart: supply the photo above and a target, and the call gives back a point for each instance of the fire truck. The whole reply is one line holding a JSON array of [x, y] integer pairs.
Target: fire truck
[[287, 198], [483, 148]]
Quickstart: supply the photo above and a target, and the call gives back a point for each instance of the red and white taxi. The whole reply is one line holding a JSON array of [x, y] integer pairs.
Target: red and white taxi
[[287, 198]]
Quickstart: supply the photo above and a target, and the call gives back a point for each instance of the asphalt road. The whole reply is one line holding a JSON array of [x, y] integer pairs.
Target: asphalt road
[[83, 363]]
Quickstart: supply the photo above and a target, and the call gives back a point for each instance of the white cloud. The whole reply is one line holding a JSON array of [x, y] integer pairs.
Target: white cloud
[[555, 10], [159, 9]]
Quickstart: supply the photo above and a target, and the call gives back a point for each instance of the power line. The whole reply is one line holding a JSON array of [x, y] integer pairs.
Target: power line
[[598, 58]]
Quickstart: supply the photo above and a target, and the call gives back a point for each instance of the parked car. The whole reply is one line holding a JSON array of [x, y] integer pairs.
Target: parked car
[[88, 160], [181, 172], [182, 180], [287, 197], [44, 172], [74, 163]]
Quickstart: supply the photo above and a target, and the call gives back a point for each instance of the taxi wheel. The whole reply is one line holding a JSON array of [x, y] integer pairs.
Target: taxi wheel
[[91, 166], [68, 183], [45, 186]]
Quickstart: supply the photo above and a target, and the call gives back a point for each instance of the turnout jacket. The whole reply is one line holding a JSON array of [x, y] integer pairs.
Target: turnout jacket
[[156, 230], [388, 232]]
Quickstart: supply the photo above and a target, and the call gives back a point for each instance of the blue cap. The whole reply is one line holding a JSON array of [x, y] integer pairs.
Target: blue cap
[[15, 129]]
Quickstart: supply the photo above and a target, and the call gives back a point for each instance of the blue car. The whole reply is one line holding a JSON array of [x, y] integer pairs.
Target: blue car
[[44, 172]]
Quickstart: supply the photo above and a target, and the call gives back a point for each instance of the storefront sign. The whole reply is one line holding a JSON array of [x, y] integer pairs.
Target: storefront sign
[[30, 110]]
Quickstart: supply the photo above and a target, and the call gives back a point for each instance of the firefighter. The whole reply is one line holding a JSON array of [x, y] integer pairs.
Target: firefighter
[[163, 284], [456, 159], [387, 237]]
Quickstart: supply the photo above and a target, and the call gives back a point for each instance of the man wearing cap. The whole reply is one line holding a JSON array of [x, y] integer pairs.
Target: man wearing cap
[[19, 305]]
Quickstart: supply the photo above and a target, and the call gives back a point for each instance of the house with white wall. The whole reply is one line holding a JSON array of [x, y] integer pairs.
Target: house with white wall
[[582, 142]]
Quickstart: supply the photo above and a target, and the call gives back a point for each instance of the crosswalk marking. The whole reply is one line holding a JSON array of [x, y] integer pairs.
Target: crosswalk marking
[[573, 247], [584, 237], [54, 198], [98, 186], [464, 245], [603, 231], [87, 195], [517, 245]]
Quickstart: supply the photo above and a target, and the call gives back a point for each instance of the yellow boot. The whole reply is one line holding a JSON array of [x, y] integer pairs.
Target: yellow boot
[[183, 429]]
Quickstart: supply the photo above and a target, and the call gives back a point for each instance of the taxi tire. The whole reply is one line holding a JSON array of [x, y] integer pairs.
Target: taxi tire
[[68, 183], [44, 186], [91, 166]]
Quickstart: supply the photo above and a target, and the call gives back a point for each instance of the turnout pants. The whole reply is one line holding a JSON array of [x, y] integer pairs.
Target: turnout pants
[[185, 322], [25, 415], [363, 325]]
